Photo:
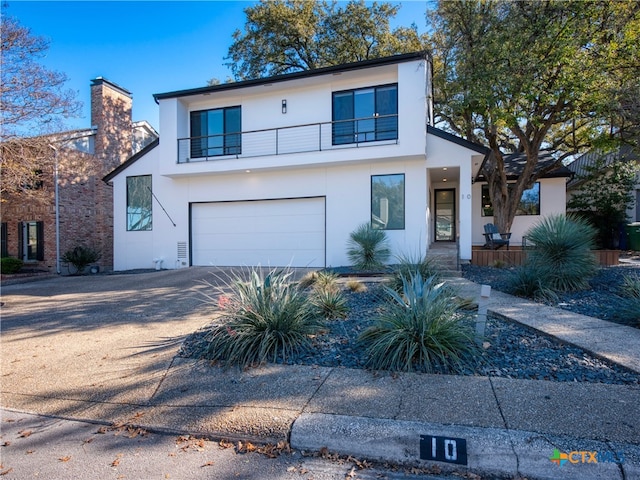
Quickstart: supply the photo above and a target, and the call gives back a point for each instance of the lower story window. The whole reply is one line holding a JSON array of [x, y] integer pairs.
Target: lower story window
[[387, 202], [529, 202], [139, 203], [31, 241]]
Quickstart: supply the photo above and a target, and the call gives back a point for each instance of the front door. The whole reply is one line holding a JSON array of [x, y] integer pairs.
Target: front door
[[445, 207]]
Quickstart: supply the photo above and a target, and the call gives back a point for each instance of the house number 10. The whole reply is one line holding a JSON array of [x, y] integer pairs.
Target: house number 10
[[443, 449]]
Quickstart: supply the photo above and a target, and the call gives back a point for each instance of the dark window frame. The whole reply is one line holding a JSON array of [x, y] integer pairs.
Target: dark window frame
[[230, 138], [34, 254], [398, 221], [486, 208], [4, 245], [351, 129]]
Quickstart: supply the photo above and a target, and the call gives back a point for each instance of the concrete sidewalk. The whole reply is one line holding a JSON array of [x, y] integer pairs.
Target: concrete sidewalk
[[76, 364]]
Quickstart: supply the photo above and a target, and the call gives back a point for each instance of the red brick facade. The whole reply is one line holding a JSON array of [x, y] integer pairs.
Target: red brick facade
[[85, 201]]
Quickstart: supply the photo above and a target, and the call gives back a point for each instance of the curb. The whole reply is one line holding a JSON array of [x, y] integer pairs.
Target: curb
[[491, 451]]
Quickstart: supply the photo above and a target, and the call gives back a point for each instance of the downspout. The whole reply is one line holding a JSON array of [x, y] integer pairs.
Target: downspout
[[57, 208]]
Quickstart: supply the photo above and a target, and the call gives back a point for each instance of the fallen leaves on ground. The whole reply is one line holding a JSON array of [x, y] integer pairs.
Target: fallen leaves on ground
[[5, 471], [24, 433], [188, 442], [65, 459]]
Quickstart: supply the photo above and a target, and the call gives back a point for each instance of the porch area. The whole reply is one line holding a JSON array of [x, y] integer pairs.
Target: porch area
[[516, 255]]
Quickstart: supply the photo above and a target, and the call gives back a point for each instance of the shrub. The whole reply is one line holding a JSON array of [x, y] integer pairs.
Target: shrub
[[562, 252], [408, 266], [326, 281], [10, 265], [80, 257], [528, 281], [368, 248], [265, 317], [419, 329], [329, 303], [628, 306], [630, 286]]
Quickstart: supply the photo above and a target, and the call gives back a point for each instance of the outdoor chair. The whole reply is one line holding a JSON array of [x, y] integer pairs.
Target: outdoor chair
[[495, 239]]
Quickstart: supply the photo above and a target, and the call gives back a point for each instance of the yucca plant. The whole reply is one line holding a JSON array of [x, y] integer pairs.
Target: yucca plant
[[409, 265], [420, 329], [563, 245], [266, 318], [368, 248]]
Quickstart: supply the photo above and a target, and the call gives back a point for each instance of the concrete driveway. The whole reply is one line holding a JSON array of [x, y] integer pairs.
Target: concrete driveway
[[68, 342]]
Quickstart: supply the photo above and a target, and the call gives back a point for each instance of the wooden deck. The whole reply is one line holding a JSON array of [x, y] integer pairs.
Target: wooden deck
[[515, 256]]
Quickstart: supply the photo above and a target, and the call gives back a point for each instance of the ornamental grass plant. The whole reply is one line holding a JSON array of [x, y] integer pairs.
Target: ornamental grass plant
[[263, 318], [409, 265], [420, 329], [629, 300]]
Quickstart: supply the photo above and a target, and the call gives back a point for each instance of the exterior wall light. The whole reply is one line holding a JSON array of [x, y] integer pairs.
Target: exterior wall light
[[284, 106]]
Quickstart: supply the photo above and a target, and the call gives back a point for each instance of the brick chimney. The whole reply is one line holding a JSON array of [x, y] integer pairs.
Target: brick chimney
[[111, 114]]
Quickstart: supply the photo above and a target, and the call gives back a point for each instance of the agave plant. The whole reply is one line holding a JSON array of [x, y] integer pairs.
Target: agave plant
[[368, 247], [420, 329], [266, 318]]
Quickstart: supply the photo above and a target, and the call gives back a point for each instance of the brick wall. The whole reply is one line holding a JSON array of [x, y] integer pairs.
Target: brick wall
[[86, 202]]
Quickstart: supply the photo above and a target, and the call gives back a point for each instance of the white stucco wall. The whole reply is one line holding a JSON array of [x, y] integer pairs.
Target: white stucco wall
[[553, 200], [348, 203], [309, 101], [442, 153]]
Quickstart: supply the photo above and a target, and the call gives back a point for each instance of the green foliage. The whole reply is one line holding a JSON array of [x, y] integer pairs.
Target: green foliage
[[265, 318], [605, 195], [367, 248], [529, 281], [10, 265], [80, 257], [515, 76], [628, 306], [561, 261], [562, 253], [631, 286], [329, 303], [284, 36], [410, 265], [419, 329]]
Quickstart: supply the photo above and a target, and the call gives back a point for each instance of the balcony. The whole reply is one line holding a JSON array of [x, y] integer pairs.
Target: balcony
[[314, 137]]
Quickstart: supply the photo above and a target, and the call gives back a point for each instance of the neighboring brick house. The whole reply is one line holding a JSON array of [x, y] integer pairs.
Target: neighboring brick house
[[85, 202]]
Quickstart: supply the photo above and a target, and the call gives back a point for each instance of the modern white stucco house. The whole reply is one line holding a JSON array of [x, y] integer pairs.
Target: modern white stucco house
[[279, 171]]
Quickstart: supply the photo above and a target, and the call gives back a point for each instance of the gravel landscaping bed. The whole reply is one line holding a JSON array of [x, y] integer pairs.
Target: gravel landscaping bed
[[509, 350], [598, 301]]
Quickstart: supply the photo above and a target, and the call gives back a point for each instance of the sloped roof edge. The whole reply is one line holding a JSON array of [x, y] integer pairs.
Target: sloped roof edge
[[376, 62], [476, 147], [130, 161]]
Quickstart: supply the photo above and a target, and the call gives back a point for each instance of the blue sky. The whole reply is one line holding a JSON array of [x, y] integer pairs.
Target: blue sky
[[145, 47]]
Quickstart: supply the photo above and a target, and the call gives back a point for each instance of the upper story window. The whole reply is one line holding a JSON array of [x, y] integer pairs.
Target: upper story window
[[365, 115], [216, 132]]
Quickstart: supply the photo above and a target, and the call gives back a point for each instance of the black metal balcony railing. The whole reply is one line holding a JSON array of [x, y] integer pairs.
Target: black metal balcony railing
[[312, 137]]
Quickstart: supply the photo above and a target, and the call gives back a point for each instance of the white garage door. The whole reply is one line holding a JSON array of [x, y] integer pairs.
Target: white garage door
[[274, 233]]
